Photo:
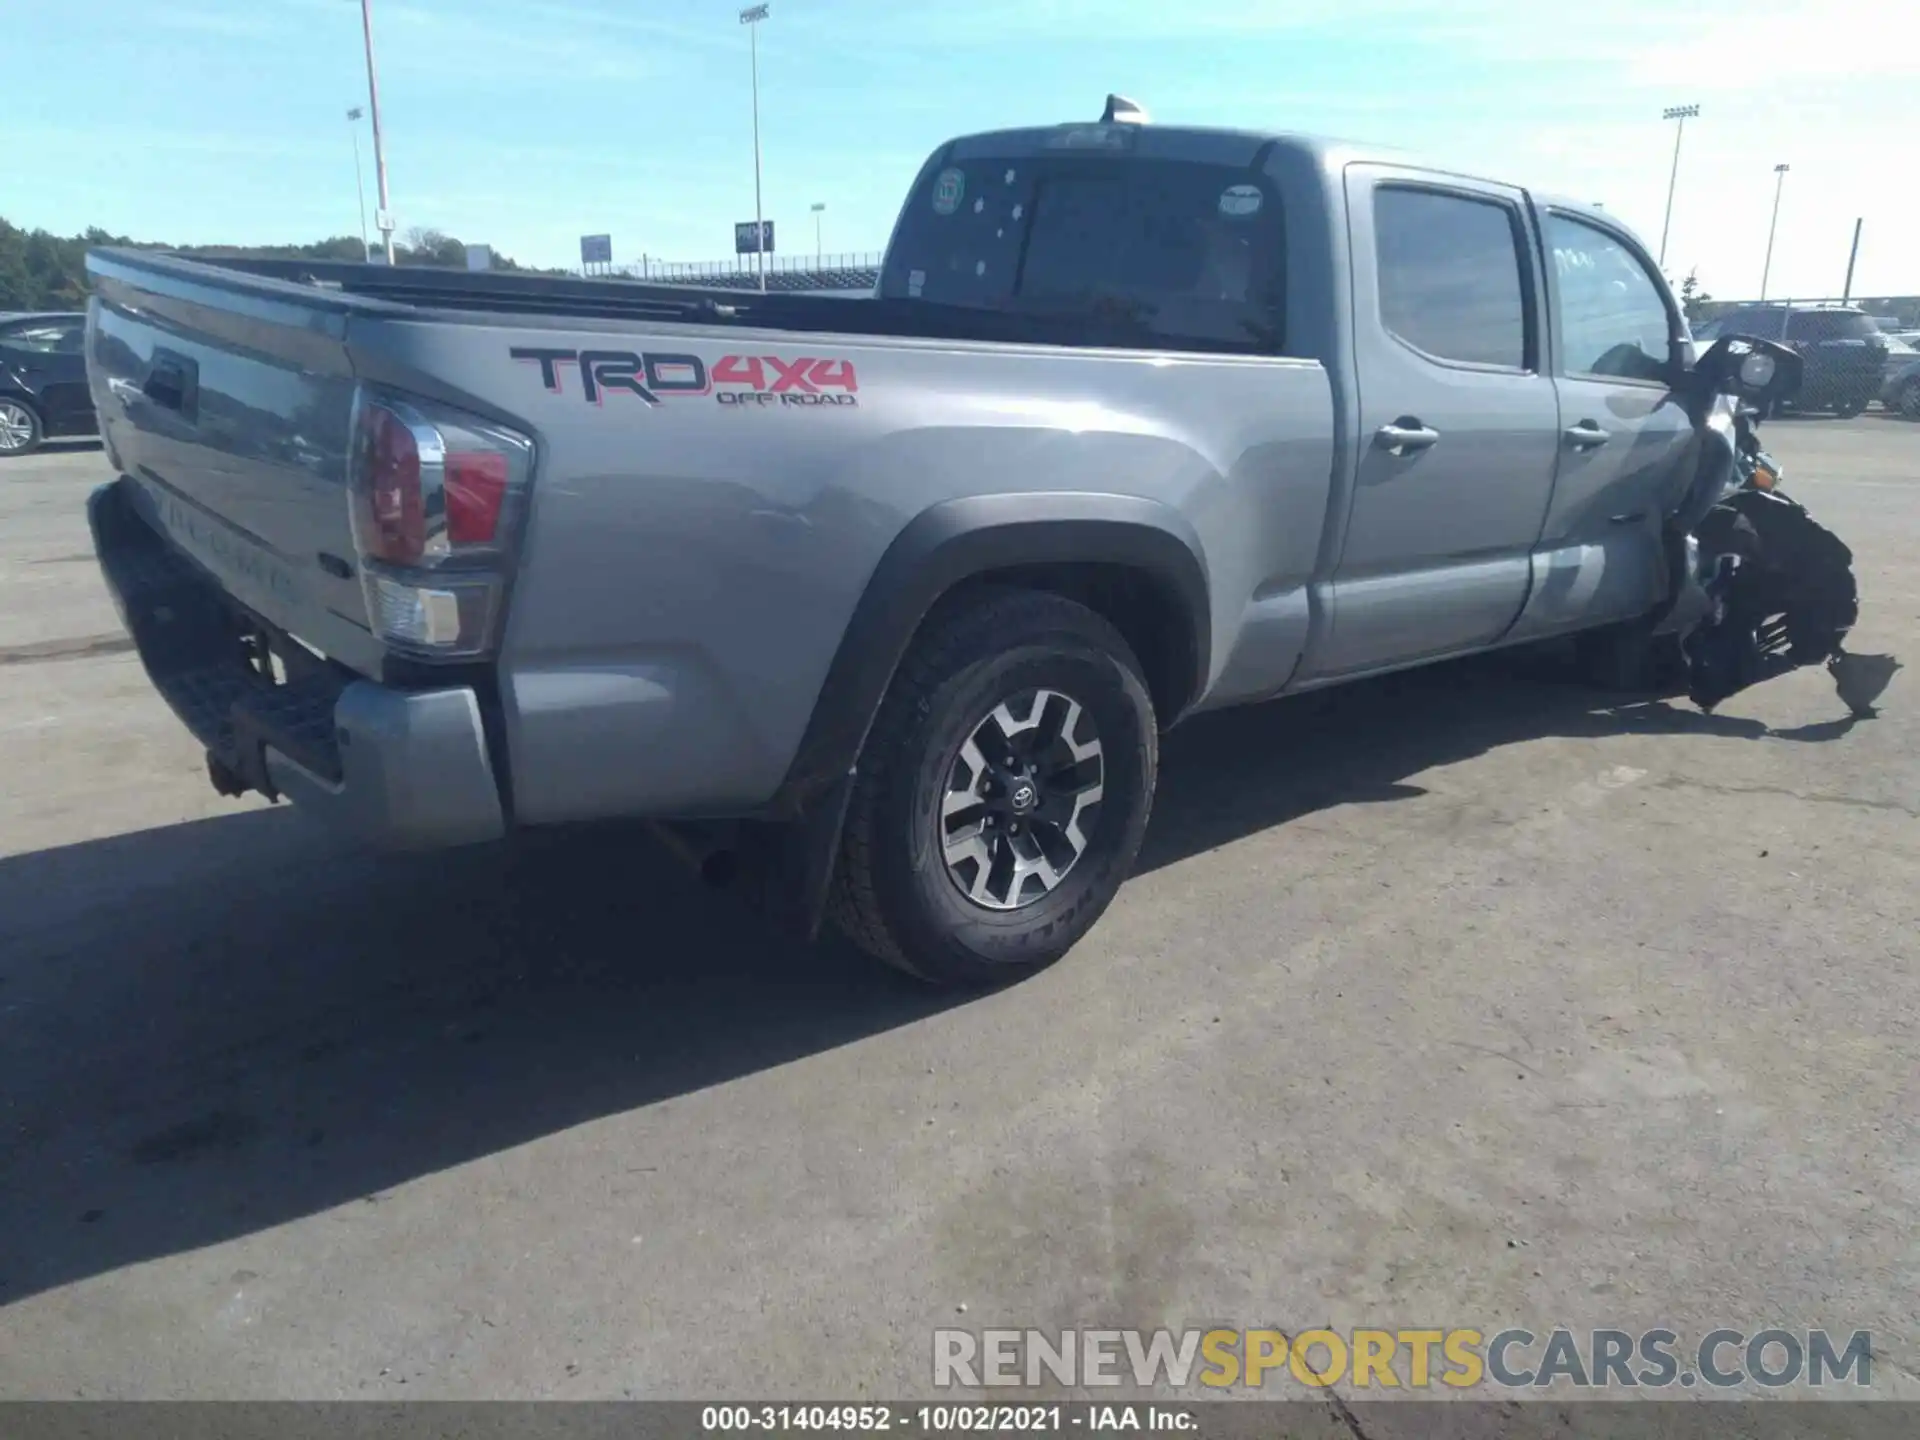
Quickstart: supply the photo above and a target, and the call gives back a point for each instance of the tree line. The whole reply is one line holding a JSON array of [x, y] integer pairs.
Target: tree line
[[43, 271]]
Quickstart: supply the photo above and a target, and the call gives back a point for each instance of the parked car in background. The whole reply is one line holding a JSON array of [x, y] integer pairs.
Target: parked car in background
[[1901, 390], [43, 380], [1843, 352]]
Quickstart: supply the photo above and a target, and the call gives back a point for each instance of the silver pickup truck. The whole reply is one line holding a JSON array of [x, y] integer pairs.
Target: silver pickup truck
[[889, 599]]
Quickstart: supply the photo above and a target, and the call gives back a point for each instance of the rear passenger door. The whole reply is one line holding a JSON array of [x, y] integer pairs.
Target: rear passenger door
[[1628, 445], [1459, 423]]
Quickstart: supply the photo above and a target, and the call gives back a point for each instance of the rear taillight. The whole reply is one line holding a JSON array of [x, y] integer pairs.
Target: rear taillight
[[435, 498]]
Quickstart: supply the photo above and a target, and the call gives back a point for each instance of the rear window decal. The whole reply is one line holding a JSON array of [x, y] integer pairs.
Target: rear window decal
[[948, 191], [1239, 201]]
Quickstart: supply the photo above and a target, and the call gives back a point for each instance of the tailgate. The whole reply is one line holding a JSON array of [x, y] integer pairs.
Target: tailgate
[[228, 401]]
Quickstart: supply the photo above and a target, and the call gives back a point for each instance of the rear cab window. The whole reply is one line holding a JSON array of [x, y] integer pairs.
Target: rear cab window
[[1145, 250]]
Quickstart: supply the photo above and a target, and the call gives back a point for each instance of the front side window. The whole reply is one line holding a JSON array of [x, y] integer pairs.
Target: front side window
[[1612, 316], [1450, 278]]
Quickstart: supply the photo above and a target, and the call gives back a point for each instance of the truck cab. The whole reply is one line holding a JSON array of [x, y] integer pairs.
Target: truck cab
[[1507, 434]]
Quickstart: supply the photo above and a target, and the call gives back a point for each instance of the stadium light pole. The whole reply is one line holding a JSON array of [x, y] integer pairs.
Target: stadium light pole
[[819, 208], [359, 181], [384, 216], [751, 18], [1682, 113], [1779, 180]]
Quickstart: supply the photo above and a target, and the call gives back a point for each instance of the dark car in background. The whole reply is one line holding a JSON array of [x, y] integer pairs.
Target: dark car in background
[[1843, 353], [43, 380]]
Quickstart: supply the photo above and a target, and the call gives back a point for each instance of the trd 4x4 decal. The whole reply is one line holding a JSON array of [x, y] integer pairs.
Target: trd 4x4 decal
[[734, 380]]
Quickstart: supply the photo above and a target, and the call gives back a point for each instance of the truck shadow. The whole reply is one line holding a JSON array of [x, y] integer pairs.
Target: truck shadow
[[1230, 774], [216, 1027]]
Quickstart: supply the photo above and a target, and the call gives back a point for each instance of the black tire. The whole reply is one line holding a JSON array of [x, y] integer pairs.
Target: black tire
[[1907, 402], [1629, 659], [19, 412], [1847, 409], [895, 894]]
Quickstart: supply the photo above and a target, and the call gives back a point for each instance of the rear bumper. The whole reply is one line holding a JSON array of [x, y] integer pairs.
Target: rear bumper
[[405, 769]]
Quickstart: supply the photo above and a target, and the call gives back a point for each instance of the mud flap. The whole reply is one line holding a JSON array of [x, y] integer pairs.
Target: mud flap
[[795, 861], [782, 870]]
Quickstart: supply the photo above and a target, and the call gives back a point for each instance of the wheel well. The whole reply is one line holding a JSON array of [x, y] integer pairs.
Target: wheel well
[[1147, 610]]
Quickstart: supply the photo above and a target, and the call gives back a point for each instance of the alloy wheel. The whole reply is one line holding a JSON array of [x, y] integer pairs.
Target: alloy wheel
[[16, 426], [1021, 798]]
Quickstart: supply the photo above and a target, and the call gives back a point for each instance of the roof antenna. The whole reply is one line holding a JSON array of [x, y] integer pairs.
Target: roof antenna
[[1122, 111]]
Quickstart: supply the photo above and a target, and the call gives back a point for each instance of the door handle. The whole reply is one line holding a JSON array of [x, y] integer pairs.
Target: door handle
[[173, 381], [1406, 436], [1587, 435]]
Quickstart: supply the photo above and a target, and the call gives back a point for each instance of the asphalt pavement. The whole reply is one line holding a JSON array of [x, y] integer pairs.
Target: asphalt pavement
[[1468, 997]]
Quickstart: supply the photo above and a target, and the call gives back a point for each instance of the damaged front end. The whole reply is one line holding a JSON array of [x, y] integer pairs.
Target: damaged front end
[[1772, 589]]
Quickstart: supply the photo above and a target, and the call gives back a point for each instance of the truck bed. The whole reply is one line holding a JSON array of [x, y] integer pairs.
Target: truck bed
[[691, 562], [433, 289]]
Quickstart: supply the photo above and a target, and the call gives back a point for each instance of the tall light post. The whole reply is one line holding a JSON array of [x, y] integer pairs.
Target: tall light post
[[383, 217], [1682, 113], [819, 208], [751, 18], [359, 182], [1779, 179]]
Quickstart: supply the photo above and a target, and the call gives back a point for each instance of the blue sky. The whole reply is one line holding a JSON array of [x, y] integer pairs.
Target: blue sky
[[526, 123]]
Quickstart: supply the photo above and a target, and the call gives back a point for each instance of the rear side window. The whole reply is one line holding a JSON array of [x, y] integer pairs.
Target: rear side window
[[1764, 324], [60, 338], [1449, 268], [1831, 325], [1183, 253]]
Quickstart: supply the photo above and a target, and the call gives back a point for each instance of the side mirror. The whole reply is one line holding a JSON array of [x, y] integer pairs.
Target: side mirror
[[1752, 370]]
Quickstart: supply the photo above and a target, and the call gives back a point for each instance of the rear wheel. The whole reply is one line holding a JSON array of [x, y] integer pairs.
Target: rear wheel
[[1847, 409], [20, 431], [1908, 400], [1003, 792]]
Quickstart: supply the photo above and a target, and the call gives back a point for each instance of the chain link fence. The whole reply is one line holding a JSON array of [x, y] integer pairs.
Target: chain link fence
[[1890, 313]]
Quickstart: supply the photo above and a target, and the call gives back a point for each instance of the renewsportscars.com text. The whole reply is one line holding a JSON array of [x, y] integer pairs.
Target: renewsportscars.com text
[[1415, 1359]]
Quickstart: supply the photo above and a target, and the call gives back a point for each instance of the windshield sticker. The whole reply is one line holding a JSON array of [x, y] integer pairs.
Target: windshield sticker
[[948, 191], [916, 282], [1240, 201]]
